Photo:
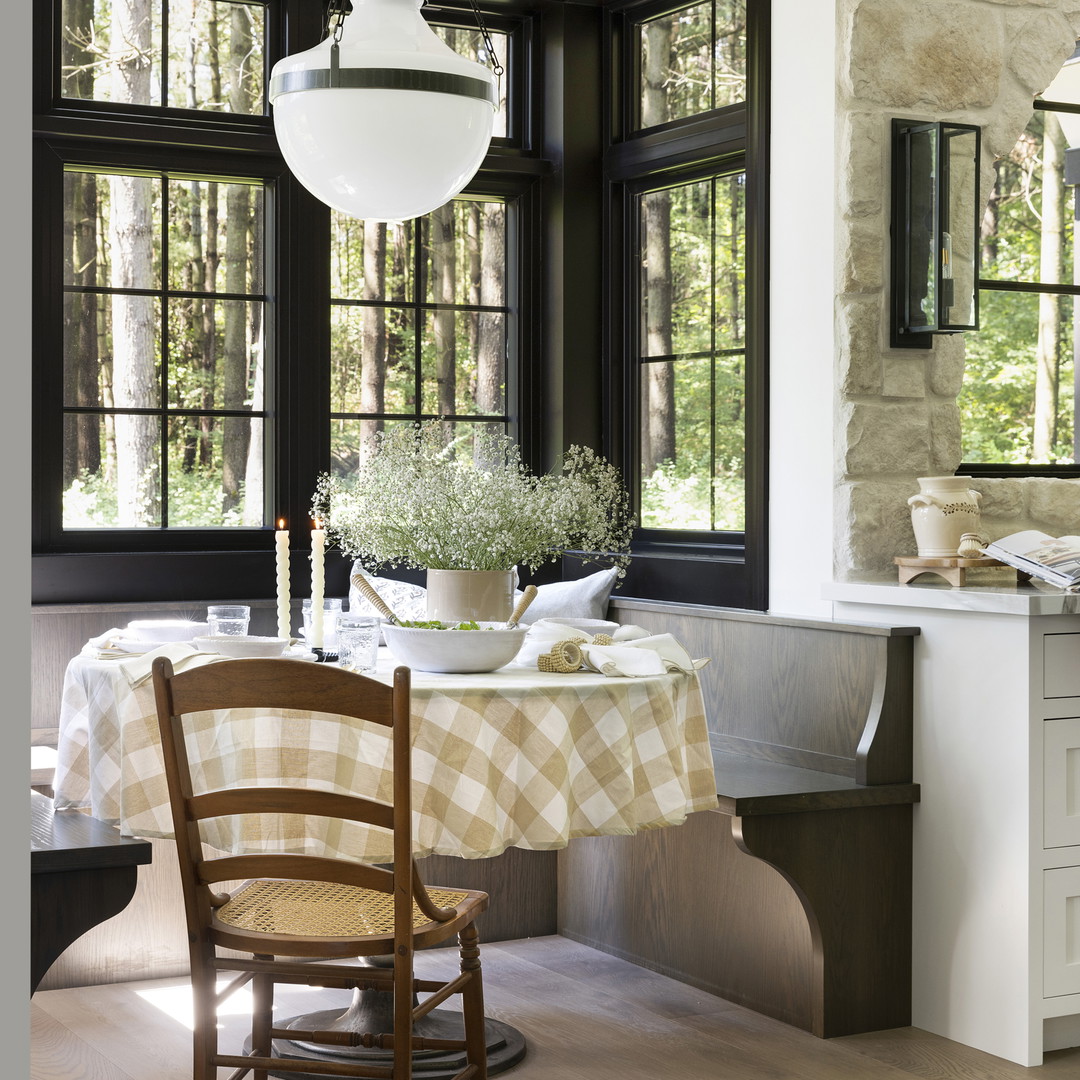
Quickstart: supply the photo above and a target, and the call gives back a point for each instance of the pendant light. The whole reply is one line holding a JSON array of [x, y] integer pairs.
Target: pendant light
[[382, 120]]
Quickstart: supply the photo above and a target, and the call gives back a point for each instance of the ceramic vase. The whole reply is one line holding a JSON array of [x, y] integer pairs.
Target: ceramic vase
[[460, 595], [944, 509]]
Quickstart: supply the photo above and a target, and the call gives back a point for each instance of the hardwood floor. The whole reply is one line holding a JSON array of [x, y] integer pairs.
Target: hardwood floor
[[585, 1015]]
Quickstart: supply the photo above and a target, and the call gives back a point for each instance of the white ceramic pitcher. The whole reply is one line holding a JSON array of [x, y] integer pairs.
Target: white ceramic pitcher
[[944, 509]]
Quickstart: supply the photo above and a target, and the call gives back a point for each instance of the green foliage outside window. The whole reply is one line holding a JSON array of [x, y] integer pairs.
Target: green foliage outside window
[[1017, 404]]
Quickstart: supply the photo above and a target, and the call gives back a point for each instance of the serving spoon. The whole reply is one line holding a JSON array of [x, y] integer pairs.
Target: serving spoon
[[527, 597]]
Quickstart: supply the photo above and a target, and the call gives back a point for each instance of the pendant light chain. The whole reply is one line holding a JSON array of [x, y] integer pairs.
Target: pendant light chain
[[336, 10], [496, 67]]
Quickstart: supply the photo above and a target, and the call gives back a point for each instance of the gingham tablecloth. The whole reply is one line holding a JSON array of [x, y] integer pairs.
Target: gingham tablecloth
[[514, 758]]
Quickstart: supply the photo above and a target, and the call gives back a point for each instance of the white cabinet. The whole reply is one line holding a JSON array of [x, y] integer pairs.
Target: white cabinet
[[1061, 665], [996, 859], [1061, 932], [1061, 782]]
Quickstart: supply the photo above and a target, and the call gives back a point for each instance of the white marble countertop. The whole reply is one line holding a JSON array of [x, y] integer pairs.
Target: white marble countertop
[[1031, 598]]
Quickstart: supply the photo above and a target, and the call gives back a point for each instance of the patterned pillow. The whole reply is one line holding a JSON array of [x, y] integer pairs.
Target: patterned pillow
[[405, 600], [585, 598]]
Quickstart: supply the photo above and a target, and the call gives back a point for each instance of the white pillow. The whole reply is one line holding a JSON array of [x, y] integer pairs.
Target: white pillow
[[405, 600], [585, 598]]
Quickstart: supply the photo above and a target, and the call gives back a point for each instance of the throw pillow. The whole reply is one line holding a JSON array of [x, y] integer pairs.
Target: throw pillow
[[405, 600], [584, 598]]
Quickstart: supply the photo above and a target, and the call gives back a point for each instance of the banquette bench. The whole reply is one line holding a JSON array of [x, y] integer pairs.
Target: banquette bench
[[82, 872], [794, 898]]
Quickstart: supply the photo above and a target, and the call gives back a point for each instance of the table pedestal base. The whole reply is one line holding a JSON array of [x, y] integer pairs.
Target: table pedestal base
[[372, 1010]]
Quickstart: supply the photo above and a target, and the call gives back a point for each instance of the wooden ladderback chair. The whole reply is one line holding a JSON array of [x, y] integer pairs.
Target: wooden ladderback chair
[[312, 906]]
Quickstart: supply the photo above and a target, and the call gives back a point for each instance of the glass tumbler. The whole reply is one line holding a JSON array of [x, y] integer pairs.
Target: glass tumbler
[[358, 642], [331, 612], [231, 619]]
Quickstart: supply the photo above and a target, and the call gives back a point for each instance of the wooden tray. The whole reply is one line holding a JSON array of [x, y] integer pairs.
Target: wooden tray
[[952, 569]]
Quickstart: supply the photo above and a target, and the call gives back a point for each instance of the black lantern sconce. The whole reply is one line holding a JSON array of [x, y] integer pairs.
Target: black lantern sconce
[[935, 231]]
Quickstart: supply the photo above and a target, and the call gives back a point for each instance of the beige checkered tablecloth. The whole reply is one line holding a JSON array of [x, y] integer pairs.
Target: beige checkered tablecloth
[[515, 758]]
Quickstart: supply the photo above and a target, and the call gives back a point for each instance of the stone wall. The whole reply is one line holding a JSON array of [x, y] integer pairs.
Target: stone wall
[[972, 61]]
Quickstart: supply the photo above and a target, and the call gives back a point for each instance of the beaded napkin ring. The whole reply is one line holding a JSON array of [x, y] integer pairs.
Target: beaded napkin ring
[[565, 654]]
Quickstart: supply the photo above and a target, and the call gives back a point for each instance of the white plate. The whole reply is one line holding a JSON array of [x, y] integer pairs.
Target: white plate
[[130, 645], [242, 645], [162, 631]]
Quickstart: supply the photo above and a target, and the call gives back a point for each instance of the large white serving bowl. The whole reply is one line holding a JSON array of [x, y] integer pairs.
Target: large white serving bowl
[[241, 645], [454, 651]]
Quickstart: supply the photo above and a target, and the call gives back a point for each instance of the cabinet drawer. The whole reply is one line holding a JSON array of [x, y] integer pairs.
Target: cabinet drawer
[[1061, 931], [1061, 782], [1061, 665]]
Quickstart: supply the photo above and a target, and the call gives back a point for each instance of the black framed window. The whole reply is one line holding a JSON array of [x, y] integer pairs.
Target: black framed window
[[1018, 403], [164, 345], [420, 323], [188, 392], [193, 54], [686, 168]]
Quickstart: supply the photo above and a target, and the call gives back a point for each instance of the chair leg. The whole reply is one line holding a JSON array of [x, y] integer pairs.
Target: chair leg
[[472, 1001], [204, 1016], [262, 1010], [403, 1007]]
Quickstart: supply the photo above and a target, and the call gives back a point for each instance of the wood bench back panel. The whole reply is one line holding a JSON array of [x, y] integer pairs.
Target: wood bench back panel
[[818, 694]]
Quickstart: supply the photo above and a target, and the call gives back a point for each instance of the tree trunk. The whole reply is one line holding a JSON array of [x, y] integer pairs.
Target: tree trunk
[[473, 241], [658, 385], [373, 334], [490, 344], [131, 239], [1050, 263], [443, 274], [234, 368], [195, 271], [83, 452]]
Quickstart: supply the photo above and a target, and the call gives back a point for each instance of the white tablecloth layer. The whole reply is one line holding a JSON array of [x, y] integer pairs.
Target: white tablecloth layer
[[515, 758]]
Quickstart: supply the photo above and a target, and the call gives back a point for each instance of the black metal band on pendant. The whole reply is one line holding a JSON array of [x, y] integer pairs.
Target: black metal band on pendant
[[436, 82]]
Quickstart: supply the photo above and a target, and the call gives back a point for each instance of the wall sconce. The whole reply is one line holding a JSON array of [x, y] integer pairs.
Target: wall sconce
[[935, 231]]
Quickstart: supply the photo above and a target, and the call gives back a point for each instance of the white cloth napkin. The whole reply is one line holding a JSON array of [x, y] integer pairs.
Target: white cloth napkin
[[101, 646], [137, 669], [635, 651]]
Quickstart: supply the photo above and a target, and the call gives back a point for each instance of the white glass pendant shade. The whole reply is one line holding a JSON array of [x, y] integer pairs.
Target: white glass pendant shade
[[374, 146]]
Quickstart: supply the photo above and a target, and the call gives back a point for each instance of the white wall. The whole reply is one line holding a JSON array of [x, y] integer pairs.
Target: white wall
[[15, 549], [802, 373]]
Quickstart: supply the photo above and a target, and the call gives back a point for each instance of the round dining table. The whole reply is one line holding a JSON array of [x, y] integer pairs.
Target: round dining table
[[516, 757]]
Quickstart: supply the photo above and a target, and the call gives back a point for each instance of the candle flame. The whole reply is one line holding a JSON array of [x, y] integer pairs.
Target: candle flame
[[318, 523], [281, 523]]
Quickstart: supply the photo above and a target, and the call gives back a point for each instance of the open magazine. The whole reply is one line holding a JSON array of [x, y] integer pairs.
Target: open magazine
[[1055, 559]]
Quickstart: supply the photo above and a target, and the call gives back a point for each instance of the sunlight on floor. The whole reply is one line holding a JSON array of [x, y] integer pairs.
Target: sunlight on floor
[[175, 1001]]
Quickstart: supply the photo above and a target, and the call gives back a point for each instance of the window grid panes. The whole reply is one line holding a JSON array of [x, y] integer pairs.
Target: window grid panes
[[164, 351], [182, 54], [1018, 401], [691, 61], [420, 324], [692, 371]]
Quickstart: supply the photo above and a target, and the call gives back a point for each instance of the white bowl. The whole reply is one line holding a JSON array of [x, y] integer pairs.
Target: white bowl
[[160, 631], [241, 645], [455, 651]]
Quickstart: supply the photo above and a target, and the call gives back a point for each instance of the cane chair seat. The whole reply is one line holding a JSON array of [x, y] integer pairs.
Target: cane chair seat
[[319, 909]]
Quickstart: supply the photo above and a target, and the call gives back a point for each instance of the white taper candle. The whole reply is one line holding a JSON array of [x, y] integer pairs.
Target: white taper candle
[[318, 544], [281, 555]]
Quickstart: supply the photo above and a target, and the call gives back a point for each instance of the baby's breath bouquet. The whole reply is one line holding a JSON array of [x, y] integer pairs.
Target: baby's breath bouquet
[[425, 500]]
